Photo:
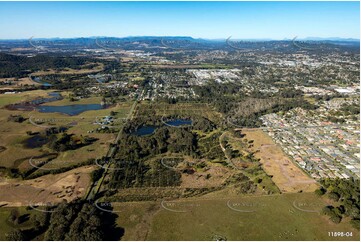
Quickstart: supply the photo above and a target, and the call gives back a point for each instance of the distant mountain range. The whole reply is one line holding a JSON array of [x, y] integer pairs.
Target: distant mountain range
[[188, 38], [330, 38]]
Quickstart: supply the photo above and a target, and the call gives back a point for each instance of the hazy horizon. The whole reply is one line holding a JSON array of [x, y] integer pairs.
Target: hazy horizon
[[206, 20], [313, 38]]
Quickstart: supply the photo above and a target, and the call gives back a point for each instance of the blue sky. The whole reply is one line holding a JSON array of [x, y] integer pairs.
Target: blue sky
[[275, 20]]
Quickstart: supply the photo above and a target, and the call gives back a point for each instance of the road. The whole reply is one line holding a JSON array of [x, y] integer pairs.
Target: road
[[111, 152]]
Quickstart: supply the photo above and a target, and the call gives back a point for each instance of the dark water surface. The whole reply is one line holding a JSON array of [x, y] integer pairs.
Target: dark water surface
[[71, 110], [145, 130], [179, 122], [148, 129]]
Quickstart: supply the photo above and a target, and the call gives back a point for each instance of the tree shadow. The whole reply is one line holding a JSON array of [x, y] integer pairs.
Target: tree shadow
[[111, 230]]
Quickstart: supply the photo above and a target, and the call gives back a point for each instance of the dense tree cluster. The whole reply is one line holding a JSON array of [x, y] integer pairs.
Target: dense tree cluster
[[16, 118], [245, 109], [20, 66], [9, 172], [345, 192], [164, 139], [96, 174], [203, 124], [70, 142], [210, 149], [242, 183], [247, 114], [81, 221], [144, 174]]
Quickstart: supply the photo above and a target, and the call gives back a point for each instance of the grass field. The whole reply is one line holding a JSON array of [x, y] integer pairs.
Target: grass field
[[274, 217], [6, 227]]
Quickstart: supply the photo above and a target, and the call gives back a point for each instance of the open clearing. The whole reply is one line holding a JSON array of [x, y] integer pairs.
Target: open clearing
[[286, 175], [276, 217], [46, 189]]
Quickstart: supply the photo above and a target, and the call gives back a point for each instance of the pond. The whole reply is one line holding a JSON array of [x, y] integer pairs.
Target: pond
[[31, 105], [54, 96], [71, 110], [145, 130], [38, 80], [148, 129], [179, 122]]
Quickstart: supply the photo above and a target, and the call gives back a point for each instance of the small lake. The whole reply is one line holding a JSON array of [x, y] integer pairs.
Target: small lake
[[148, 129], [179, 122], [145, 130], [38, 80], [31, 105], [71, 110]]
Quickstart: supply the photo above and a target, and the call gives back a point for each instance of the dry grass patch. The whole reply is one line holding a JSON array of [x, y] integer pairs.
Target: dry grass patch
[[286, 175], [46, 189]]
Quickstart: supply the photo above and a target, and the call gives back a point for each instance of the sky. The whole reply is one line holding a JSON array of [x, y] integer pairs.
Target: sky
[[212, 20]]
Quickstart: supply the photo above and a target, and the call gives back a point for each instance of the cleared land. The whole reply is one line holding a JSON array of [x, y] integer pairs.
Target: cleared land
[[46, 189], [286, 175]]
